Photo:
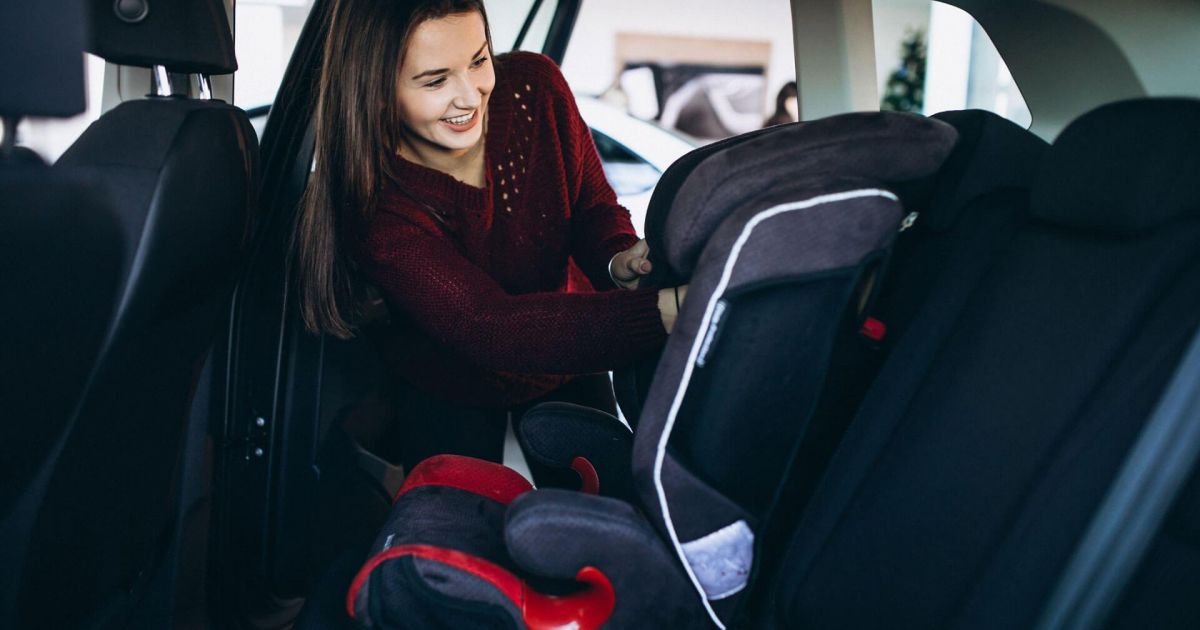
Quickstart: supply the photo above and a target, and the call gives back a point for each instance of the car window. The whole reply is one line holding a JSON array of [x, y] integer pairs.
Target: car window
[[507, 17], [694, 66], [265, 33], [933, 57], [627, 173]]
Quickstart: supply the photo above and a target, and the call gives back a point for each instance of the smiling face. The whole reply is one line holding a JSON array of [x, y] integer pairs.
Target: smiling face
[[445, 81]]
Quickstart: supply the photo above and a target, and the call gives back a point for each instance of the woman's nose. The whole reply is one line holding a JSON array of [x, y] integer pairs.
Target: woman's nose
[[468, 95]]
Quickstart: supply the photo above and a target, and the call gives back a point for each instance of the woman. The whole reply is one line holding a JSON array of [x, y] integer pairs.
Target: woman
[[787, 106], [461, 186]]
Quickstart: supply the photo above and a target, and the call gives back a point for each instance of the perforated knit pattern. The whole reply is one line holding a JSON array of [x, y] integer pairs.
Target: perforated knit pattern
[[485, 310]]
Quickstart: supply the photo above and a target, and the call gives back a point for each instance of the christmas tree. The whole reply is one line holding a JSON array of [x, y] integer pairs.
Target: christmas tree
[[905, 89]]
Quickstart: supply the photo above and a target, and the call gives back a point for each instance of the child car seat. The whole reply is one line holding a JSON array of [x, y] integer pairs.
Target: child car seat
[[775, 234]]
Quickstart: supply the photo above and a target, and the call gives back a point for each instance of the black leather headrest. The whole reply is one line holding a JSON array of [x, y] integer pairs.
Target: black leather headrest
[[1123, 168], [188, 36], [42, 69], [992, 153], [881, 147]]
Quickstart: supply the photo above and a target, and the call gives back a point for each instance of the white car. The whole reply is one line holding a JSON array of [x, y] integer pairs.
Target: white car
[[634, 153]]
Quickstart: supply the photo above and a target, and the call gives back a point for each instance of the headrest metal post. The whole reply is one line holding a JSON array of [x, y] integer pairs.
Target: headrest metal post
[[161, 81], [203, 87], [10, 136]]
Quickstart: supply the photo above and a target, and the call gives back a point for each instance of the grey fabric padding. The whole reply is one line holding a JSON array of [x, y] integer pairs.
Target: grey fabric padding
[[686, 489], [408, 592], [443, 517], [825, 237], [459, 584], [722, 559], [882, 147], [795, 230], [865, 223], [555, 533]]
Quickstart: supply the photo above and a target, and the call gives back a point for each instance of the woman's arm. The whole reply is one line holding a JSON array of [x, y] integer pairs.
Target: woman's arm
[[600, 227], [463, 308]]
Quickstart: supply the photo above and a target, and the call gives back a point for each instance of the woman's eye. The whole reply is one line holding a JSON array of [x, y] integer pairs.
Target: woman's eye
[[436, 83], [479, 62]]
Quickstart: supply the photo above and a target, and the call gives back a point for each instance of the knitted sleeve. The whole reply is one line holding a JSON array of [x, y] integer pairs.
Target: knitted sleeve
[[600, 227], [460, 306]]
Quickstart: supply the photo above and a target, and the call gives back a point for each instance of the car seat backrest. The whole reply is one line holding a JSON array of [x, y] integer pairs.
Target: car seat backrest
[[992, 153], [60, 256], [994, 157], [774, 234], [725, 181], [959, 211], [181, 176], [631, 384], [992, 432]]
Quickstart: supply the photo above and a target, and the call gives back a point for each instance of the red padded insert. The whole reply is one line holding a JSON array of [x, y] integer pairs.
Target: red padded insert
[[487, 479]]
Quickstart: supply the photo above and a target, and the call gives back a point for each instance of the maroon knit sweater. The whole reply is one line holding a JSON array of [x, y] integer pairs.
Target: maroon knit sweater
[[484, 312]]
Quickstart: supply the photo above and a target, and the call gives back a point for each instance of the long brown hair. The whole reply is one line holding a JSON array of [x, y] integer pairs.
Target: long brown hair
[[357, 127]]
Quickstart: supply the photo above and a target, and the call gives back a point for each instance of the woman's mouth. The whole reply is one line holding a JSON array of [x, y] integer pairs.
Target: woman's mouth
[[462, 123]]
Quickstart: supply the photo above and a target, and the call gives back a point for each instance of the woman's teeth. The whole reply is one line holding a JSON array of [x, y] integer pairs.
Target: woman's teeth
[[460, 120]]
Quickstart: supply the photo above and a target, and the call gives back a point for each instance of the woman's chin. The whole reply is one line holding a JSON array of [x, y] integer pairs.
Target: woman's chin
[[459, 142]]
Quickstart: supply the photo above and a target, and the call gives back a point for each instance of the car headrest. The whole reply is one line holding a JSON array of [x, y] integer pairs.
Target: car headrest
[[883, 147], [1123, 168], [992, 153], [191, 36], [42, 73]]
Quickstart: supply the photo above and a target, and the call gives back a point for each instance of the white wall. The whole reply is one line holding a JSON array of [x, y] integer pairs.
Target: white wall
[[590, 63]]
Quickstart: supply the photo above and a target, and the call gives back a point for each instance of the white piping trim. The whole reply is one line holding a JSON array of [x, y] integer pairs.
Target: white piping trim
[[698, 340]]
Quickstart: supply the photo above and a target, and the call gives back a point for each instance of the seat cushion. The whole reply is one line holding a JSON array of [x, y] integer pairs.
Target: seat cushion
[[443, 543]]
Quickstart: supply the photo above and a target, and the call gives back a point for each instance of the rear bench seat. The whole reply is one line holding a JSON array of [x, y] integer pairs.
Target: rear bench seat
[[1001, 417]]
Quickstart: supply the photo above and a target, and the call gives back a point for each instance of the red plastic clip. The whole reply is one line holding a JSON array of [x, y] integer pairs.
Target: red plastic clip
[[588, 477], [585, 610], [873, 329]]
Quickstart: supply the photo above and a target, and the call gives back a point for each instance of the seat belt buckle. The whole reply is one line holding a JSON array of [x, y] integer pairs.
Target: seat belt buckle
[[873, 330]]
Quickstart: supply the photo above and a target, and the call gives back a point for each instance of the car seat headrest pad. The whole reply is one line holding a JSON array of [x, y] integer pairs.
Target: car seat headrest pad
[[887, 148], [42, 73], [1123, 168], [186, 37]]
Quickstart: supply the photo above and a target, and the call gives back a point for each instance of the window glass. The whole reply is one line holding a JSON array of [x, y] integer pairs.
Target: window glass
[[505, 18], [932, 57], [706, 68], [50, 137], [627, 173], [265, 33]]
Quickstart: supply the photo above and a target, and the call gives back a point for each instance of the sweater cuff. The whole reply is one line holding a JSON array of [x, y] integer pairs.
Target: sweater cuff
[[610, 248], [642, 326]]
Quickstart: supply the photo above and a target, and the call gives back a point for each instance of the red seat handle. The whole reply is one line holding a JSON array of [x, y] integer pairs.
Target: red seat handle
[[585, 610]]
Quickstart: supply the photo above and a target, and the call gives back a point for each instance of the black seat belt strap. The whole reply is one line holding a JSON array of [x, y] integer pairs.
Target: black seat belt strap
[[1137, 502]]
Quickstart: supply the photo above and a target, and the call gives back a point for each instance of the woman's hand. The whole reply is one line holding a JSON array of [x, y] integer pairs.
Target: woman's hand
[[669, 302], [628, 267]]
